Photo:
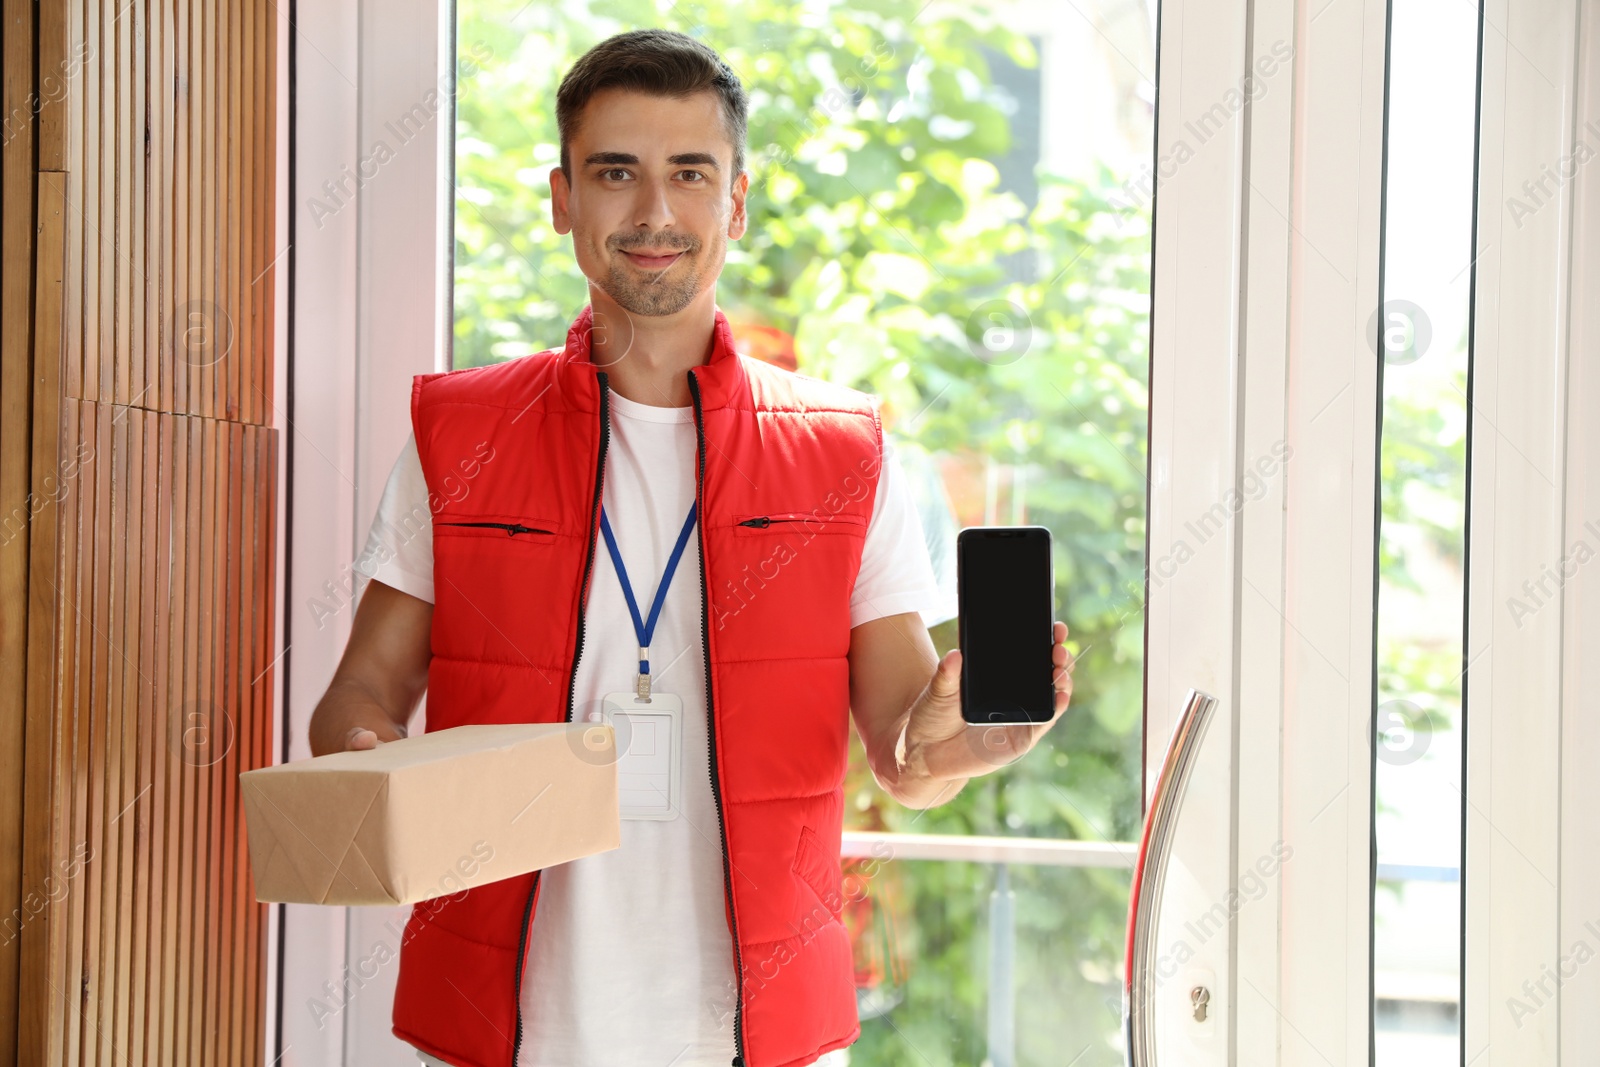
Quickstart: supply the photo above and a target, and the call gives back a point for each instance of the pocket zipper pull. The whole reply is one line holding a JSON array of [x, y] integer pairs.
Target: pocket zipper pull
[[759, 520], [511, 528]]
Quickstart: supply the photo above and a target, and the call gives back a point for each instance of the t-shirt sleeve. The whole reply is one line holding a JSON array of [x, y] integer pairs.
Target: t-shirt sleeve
[[896, 574], [399, 549]]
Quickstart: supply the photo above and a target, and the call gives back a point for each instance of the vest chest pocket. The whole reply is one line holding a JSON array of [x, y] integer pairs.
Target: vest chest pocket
[[481, 557], [771, 570], [485, 570], [803, 524], [522, 532]]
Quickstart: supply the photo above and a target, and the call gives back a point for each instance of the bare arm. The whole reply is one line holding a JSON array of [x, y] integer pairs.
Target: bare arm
[[891, 660], [907, 706], [380, 678]]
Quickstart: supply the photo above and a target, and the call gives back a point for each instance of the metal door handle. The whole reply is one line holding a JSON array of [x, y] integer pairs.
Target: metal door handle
[[1150, 873]]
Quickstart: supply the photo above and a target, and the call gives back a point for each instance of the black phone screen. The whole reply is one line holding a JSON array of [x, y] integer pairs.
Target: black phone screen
[[1007, 613]]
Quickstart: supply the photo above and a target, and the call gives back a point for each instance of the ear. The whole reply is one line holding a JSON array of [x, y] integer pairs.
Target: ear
[[560, 190], [738, 221]]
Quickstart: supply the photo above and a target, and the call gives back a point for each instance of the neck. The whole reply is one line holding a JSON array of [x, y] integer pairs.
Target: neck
[[647, 358]]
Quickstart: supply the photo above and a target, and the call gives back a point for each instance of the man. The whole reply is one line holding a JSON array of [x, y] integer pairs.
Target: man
[[551, 581]]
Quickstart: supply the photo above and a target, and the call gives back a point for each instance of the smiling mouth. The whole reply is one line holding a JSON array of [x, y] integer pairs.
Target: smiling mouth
[[653, 262]]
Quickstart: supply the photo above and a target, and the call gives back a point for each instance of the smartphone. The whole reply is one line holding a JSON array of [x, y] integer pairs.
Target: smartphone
[[1005, 580]]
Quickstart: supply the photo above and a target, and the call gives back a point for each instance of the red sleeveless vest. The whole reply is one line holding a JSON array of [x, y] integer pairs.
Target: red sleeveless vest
[[786, 472]]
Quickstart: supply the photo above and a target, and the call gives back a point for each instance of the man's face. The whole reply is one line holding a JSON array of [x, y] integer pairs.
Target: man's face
[[648, 202]]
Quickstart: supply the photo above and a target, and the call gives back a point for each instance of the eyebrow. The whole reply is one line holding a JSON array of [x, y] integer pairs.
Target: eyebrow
[[684, 159]]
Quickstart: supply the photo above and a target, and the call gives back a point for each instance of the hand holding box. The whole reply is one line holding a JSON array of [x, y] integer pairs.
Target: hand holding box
[[431, 815]]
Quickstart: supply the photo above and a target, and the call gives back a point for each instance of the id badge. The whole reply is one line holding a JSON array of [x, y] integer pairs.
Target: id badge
[[650, 745]]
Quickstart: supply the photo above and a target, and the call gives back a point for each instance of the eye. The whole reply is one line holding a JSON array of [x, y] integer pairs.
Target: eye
[[614, 174], [692, 175]]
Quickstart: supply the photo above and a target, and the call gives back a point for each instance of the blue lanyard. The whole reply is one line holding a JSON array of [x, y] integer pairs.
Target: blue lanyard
[[642, 629]]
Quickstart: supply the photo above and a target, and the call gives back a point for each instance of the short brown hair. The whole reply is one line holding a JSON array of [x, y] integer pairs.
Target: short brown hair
[[658, 63]]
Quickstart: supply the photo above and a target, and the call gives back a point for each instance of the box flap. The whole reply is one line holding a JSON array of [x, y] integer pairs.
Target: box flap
[[315, 836]]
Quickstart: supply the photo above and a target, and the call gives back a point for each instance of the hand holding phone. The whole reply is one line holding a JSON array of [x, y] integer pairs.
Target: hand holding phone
[[1012, 673]]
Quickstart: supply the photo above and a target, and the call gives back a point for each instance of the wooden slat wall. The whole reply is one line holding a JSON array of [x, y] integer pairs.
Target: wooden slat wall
[[138, 526]]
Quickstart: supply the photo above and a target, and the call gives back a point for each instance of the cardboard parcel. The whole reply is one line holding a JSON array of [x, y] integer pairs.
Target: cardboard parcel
[[432, 814]]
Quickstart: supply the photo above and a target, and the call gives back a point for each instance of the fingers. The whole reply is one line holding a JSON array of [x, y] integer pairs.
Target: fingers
[[946, 680], [362, 738], [359, 739], [1063, 660]]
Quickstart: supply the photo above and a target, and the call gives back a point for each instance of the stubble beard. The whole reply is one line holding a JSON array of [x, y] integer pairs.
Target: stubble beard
[[664, 293]]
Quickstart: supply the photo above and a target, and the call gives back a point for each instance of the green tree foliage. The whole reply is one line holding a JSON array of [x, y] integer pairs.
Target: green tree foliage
[[1000, 320], [1421, 567]]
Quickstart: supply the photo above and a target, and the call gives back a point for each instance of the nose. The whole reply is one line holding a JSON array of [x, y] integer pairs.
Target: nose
[[653, 208]]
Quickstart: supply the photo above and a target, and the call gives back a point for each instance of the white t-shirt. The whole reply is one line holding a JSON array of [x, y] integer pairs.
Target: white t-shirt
[[629, 959]]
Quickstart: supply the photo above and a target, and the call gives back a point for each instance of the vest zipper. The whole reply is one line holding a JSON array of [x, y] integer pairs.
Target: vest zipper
[[572, 685], [711, 729], [763, 521], [511, 528]]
